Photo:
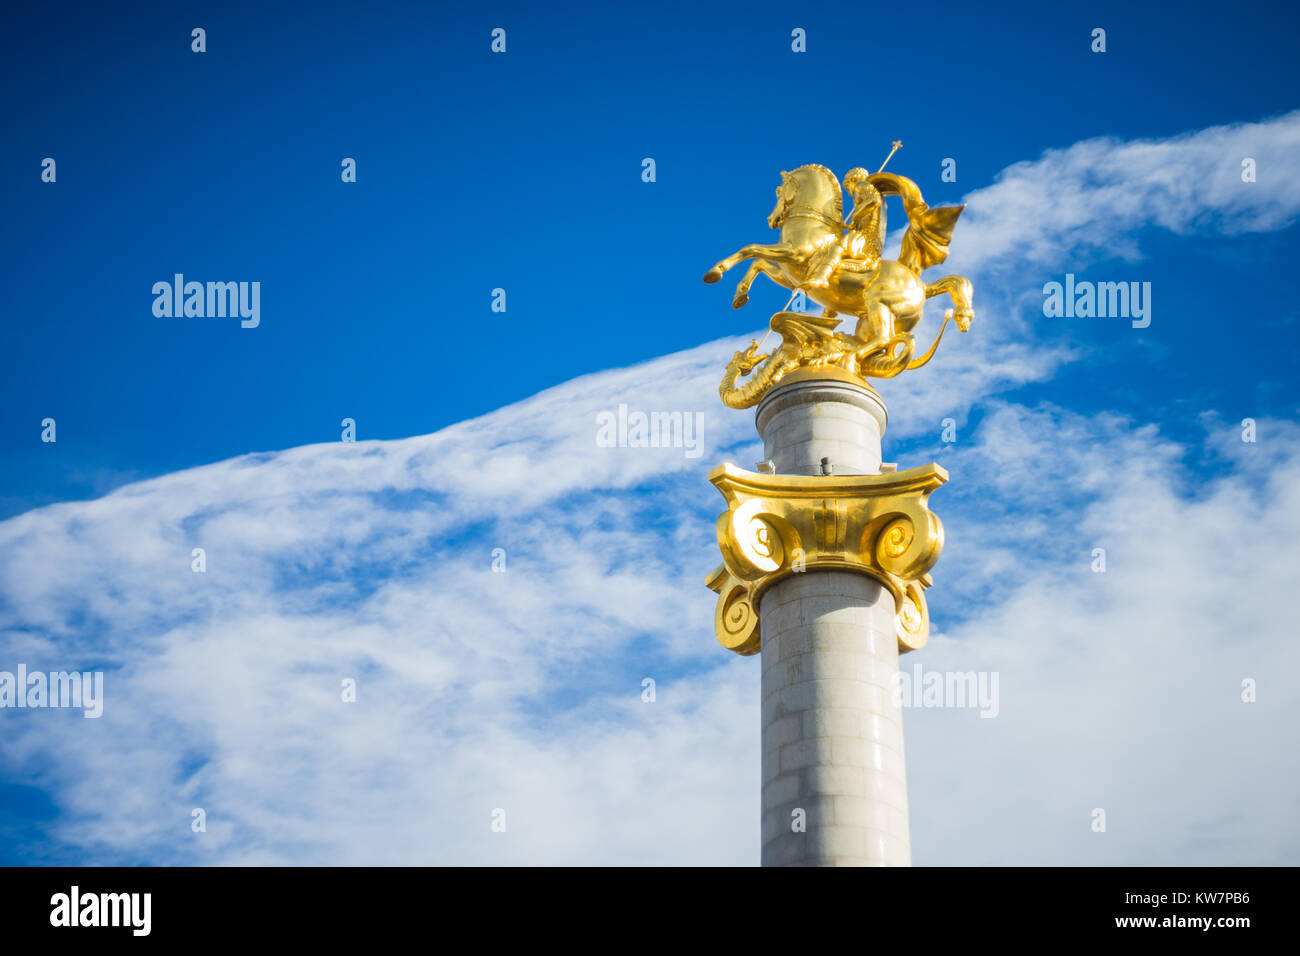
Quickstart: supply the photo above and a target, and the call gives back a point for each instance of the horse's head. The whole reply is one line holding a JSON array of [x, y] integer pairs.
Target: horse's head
[[785, 194], [812, 185]]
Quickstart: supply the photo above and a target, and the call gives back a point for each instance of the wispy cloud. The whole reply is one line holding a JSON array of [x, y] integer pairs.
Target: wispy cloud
[[1091, 198]]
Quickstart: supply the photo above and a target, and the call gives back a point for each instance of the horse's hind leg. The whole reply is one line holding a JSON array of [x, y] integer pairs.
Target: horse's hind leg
[[959, 288], [875, 326], [755, 267]]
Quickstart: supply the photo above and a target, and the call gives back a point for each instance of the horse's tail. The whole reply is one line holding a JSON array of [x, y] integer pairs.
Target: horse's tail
[[917, 363]]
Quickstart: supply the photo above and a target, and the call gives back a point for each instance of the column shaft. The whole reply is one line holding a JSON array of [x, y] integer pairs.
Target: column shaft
[[834, 782]]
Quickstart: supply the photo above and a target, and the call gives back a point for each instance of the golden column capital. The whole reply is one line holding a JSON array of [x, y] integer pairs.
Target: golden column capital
[[779, 525]]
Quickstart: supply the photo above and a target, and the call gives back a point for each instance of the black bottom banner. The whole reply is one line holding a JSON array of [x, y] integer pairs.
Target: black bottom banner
[[334, 905]]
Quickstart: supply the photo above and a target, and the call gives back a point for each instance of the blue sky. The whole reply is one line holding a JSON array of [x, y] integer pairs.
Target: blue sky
[[523, 171], [518, 171]]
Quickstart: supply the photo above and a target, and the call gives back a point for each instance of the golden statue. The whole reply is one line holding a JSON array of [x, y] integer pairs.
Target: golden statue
[[838, 265]]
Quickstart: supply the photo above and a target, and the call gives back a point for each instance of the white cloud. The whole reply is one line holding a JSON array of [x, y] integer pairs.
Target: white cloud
[[1119, 690], [1090, 197]]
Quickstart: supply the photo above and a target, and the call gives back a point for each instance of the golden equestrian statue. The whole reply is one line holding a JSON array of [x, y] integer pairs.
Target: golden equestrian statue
[[839, 265]]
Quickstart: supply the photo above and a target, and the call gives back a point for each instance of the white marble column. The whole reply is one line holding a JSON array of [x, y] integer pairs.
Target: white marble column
[[832, 732]]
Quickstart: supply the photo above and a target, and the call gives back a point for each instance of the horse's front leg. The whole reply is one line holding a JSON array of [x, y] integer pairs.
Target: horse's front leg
[[778, 252], [755, 267]]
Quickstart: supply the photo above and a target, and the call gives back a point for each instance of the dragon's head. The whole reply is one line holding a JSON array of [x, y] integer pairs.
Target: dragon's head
[[744, 362]]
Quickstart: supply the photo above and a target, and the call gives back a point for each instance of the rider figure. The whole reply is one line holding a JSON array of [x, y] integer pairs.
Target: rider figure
[[864, 239]]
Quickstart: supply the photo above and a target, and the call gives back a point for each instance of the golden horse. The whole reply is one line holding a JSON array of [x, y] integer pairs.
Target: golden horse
[[888, 299]]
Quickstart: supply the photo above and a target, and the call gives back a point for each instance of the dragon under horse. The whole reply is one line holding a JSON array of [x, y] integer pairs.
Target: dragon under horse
[[839, 265]]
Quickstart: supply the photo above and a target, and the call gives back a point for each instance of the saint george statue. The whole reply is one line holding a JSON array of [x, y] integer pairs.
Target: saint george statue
[[840, 266]]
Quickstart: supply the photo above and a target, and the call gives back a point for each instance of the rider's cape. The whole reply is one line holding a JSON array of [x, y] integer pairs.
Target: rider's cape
[[925, 243]]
